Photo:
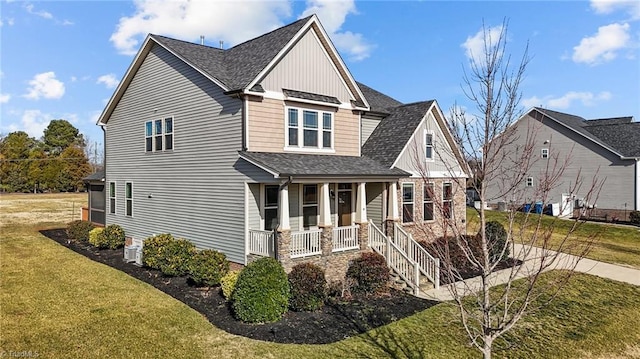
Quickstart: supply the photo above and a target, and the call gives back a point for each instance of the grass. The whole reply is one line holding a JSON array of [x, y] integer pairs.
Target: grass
[[59, 304], [613, 243]]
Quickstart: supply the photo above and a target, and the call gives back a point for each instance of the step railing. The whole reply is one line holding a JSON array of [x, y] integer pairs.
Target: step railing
[[345, 238], [261, 242], [397, 260], [429, 266]]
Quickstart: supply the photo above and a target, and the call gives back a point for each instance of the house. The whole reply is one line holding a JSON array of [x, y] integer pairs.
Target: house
[[257, 150], [607, 149], [94, 212]]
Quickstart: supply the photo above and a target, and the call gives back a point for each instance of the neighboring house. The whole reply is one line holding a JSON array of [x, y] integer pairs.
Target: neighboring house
[[257, 150], [608, 149]]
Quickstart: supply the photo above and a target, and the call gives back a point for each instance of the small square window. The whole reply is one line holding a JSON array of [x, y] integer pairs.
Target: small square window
[[529, 181], [545, 153]]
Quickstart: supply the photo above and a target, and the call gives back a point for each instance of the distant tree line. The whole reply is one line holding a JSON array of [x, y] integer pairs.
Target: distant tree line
[[55, 163]]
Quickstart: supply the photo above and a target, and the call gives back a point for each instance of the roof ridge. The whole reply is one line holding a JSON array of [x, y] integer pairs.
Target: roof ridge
[[187, 42], [272, 31]]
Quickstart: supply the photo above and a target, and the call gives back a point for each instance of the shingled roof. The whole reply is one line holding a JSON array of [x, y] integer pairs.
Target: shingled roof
[[392, 133], [619, 134], [309, 165], [378, 101], [238, 66]]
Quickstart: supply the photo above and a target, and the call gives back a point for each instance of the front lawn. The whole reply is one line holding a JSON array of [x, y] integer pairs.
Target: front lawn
[[60, 304], [613, 243]]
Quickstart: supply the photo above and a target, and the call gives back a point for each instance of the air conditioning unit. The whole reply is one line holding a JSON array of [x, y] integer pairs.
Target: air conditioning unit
[[130, 253], [138, 256]]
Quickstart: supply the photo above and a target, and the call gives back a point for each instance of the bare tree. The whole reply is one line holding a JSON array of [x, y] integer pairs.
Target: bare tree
[[505, 153], [95, 153]]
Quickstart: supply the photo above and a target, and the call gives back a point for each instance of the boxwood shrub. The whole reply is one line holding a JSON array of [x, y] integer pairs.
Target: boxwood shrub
[[634, 217], [496, 241], [308, 287], [370, 274], [207, 267], [111, 237], [79, 230], [228, 283], [95, 236], [154, 248], [177, 256], [262, 292]]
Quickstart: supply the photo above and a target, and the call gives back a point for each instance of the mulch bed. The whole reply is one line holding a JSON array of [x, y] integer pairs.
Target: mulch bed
[[337, 320]]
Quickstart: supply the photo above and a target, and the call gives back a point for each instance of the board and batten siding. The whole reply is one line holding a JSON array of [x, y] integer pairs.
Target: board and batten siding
[[375, 194], [368, 125], [267, 126], [196, 191], [586, 160], [413, 158], [306, 67]]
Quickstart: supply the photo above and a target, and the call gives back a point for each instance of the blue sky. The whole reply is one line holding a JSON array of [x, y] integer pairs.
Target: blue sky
[[63, 59]]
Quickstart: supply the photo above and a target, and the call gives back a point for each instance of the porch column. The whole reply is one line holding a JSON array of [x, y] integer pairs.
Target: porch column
[[393, 216], [361, 203], [283, 209], [325, 206]]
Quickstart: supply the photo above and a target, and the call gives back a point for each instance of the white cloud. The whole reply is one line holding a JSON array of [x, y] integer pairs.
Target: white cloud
[[565, 101], [474, 46], [45, 85], [609, 6], [108, 80], [332, 15], [43, 14], [603, 46], [232, 22], [32, 122], [4, 97]]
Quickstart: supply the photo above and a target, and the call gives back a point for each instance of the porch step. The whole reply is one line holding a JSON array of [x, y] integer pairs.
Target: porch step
[[399, 284]]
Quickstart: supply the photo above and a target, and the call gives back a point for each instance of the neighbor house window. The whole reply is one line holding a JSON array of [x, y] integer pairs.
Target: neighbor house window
[[427, 211], [309, 206], [407, 202], [271, 207], [428, 141], [529, 181], [158, 135], [112, 197], [545, 153], [447, 200], [128, 197], [315, 131]]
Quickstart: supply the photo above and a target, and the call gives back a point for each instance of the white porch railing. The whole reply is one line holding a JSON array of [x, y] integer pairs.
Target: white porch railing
[[397, 260], [305, 243], [429, 266], [261, 242], [345, 238]]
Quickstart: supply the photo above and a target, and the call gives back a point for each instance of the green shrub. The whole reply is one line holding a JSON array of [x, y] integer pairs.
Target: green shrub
[[79, 230], [496, 241], [177, 256], [634, 217], [370, 274], [262, 292], [228, 283], [154, 248], [308, 287], [114, 236], [95, 236], [207, 267]]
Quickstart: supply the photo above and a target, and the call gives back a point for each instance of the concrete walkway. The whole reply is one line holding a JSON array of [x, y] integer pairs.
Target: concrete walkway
[[533, 258]]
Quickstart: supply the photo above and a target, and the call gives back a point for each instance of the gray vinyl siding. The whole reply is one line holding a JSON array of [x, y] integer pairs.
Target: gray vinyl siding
[[374, 202], [587, 160], [253, 204], [295, 217], [368, 125], [307, 68], [196, 191], [413, 159]]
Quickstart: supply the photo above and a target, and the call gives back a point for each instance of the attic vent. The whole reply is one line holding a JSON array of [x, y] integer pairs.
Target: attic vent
[[222, 44], [201, 39]]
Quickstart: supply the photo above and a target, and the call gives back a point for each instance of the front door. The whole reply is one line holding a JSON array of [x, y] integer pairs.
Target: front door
[[344, 204]]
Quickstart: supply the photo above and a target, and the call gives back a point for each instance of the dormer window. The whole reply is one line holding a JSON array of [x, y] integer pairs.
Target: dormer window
[[309, 129]]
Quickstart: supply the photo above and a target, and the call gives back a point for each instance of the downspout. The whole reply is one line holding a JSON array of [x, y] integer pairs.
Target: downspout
[[104, 170], [245, 125], [637, 199]]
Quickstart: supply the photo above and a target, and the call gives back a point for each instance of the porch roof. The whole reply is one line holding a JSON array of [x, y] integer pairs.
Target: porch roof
[[309, 165]]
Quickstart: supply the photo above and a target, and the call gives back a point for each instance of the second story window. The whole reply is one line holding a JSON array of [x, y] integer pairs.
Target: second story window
[[309, 129], [545, 153], [159, 135]]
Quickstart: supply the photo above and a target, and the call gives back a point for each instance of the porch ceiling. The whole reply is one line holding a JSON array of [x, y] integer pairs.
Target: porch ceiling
[[320, 166]]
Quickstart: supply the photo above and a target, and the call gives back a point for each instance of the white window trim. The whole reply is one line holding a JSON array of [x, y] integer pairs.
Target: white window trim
[[301, 205], [529, 182], [128, 199], [163, 135], [432, 201], [263, 206], [433, 145], [300, 146], [451, 209], [413, 201], [113, 209], [544, 153]]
